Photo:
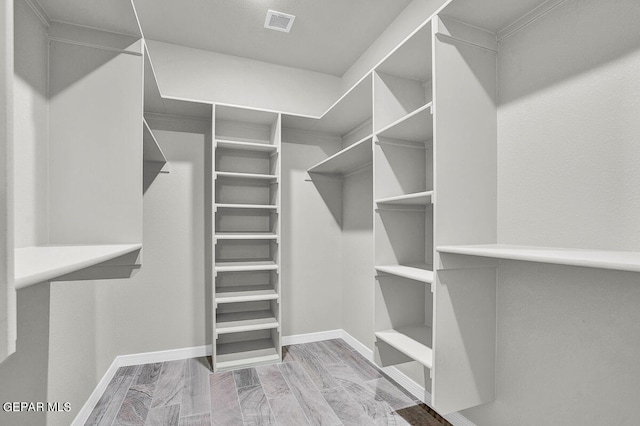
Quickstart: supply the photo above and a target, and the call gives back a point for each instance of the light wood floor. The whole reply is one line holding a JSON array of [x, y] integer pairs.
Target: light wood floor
[[321, 383]]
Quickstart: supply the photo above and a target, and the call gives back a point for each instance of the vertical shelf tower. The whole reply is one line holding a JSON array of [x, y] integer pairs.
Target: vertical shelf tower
[[403, 209], [245, 229]]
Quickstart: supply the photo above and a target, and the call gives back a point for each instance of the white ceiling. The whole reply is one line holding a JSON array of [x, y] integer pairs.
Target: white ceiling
[[327, 36]]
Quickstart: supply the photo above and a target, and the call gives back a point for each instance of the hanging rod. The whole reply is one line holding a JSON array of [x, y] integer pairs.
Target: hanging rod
[[95, 46]]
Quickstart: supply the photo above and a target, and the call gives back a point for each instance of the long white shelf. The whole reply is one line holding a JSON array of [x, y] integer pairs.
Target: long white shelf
[[349, 159], [413, 341], [151, 152], [604, 259], [44, 263], [245, 146], [242, 266], [240, 322], [250, 293], [238, 175], [246, 236], [245, 353], [415, 199], [247, 206], [422, 273], [417, 126]]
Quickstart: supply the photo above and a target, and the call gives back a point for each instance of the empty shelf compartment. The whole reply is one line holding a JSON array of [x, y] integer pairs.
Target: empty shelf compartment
[[349, 159], [422, 273], [246, 349], [413, 341], [416, 126], [246, 316]]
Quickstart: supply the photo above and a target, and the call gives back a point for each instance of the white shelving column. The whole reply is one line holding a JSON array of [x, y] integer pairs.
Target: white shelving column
[[244, 237], [403, 217]]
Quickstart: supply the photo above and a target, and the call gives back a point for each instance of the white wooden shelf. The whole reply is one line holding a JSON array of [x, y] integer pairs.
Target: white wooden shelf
[[604, 259], [44, 263], [246, 236], [413, 341], [240, 322], [415, 199], [240, 354], [416, 126], [237, 175], [246, 266], [245, 146], [422, 273], [349, 159], [152, 154], [247, 206], [251, 293]]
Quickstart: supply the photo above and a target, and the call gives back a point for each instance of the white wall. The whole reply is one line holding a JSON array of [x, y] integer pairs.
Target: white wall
[[311, 238], [30, 127], [568, 155], [357, 269], [162, 306], [214, 77]]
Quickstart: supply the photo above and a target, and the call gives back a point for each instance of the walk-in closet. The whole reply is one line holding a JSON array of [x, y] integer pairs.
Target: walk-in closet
[[340, 212]]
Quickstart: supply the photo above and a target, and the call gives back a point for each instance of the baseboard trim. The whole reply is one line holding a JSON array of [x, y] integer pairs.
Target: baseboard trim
[[403, 380], [311, 337], [134, 359]]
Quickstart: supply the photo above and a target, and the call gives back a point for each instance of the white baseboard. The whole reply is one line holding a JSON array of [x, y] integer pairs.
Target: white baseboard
[[311, 337], [134, 359], [403, 380]]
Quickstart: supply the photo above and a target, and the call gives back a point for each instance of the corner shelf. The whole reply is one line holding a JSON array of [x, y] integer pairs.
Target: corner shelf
[[44, 263], [603, 259], [349, 159], [413, 341], [245, 146], [253, 293], [240, 354], [417, 126], [152, 154], [240, 322], [415, 199], [422, 273], [246, 266]]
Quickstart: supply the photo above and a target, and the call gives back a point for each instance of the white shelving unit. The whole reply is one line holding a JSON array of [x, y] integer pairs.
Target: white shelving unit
[[245, 237], [403, 218]]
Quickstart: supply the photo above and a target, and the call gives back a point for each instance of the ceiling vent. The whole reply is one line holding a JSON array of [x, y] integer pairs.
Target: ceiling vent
[[279, 21]]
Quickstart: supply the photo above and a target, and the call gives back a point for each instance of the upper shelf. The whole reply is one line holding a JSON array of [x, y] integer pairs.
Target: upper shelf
[[348, 113], [417, 126], [347, 160], [151, 151], [617, 260], [44, 263]]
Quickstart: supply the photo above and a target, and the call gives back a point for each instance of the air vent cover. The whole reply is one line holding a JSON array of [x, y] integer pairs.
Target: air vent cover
[[279, 21]]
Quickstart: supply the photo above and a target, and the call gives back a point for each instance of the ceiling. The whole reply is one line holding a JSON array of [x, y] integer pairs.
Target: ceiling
[[327, 36]]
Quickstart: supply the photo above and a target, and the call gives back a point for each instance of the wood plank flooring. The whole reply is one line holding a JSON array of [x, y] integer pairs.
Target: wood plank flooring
[[317, 384]]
